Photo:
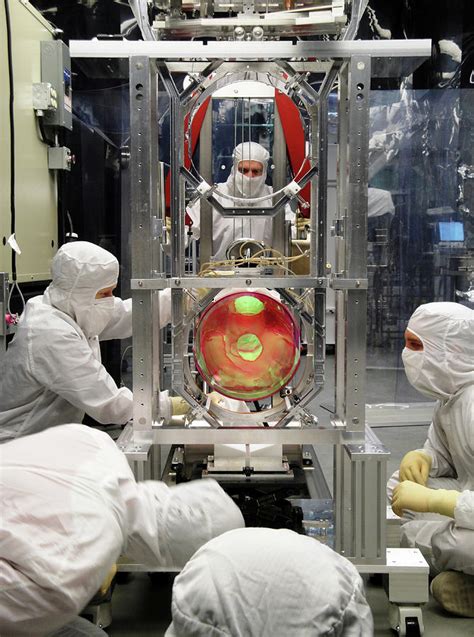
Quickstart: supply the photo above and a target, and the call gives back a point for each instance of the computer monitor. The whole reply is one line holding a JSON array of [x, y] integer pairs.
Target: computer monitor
[[451, 231]]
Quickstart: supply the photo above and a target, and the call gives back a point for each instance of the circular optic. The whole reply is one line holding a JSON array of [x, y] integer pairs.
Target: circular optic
[[247, 345]]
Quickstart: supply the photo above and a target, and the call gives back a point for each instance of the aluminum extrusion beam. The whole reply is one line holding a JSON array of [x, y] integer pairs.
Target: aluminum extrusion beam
[[145, 260], [130, 443], [177, 50]]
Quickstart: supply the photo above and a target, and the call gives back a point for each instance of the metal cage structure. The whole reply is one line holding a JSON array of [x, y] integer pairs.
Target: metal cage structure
[[359, 458]]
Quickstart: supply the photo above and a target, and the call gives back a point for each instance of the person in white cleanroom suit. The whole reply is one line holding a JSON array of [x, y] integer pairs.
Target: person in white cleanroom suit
[[267, 583], [246, 181], [52, 372], [439, 362], [71, 506]]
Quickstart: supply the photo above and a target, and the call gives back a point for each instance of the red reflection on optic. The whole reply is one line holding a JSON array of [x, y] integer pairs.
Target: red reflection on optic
[[247, 345]]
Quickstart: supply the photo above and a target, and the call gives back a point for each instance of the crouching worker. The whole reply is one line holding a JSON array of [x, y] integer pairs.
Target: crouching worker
[[267, 583], [70, 507], [435, 496]]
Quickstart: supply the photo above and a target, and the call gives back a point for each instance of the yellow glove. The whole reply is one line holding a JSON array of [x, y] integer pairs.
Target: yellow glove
[[104, 587], [179, 407], [168, 224], [416, 497], [415, 466]]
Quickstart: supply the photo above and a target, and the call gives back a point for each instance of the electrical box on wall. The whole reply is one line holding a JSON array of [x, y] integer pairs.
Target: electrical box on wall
[[56, 71]]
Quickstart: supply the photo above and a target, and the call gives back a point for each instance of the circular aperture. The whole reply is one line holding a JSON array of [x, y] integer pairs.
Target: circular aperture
[[247, 345]]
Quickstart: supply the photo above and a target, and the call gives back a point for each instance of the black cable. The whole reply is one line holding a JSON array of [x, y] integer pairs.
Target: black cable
[[12, 132], [43, 136]]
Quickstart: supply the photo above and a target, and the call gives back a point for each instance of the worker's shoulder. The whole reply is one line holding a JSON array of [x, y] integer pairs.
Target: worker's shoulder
[[40, 316]]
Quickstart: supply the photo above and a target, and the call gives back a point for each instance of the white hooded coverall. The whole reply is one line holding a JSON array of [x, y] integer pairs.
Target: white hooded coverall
[[260, 582], [71, 506], [52, 372], [445, 370], [225, 230]]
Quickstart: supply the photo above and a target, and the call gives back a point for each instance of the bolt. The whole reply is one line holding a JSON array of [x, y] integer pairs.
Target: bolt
[[248, 282], [355, 421], [140, 284], [177, 282], [139, 66], [360, 66], [239, 33], [357, 284]]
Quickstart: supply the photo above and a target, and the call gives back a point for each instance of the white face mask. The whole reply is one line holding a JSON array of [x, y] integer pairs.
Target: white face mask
[[97, 317], [413, 363], [248, 186], [419, 375]]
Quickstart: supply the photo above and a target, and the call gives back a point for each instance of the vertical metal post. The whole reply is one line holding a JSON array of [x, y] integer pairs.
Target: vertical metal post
[[356, 241], [279, 181], [320, 187], [205, 169], [340, 265], [360, 513], [143, 205]]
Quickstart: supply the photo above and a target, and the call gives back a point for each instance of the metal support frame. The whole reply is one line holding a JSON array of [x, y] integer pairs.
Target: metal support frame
[[147, 224], [360, 459]]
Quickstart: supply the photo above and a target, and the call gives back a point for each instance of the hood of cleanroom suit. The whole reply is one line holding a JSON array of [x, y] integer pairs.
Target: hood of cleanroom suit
[[51, 373], [446, 363], [239, 185], [245, 189], [79, 270], [71, 507], [266, 583]]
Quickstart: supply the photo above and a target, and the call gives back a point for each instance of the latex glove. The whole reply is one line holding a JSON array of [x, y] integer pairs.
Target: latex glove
[[179, 407], [416, 497], [104, 587], [415, 466]]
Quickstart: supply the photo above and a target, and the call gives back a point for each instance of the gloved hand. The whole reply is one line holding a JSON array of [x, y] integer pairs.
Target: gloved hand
[[416, 497], [104, 587], [415, 466], [179, 407]]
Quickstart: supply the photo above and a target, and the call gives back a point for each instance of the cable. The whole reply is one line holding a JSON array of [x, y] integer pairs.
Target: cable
[[259, 258], [12, 133], [15, 285], [43, 136]]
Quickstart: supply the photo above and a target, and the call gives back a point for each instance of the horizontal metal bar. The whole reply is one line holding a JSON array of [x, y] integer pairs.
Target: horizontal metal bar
[[229, 282], [176, 50], [396, 561], [252, 435], [241, 282], [316, 66], [349, 284], [371, 448]]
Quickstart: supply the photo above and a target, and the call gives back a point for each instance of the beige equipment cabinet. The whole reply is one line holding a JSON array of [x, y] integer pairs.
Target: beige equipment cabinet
[[36, 192]]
